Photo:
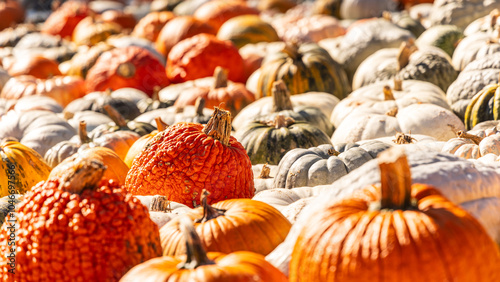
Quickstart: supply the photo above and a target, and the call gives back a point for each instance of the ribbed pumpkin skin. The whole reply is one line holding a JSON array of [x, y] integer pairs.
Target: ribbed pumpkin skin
[[148, 71], [97, 235], [247, 29], [246, 225], [234, 267], [311, 69], [182, 161], [20, 168], [484, 106], [198, 56], [267, 144], [437, 242]]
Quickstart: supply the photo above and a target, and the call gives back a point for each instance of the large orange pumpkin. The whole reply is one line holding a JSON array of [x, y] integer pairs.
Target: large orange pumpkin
[[37, 66], [186, 158], [11, 12], [63, 21], [198, 56], [397, 231], [132, 66], [78, 227]]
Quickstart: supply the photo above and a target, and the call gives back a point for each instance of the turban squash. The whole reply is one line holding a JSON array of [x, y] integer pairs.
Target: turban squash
[[79, 226], [186, 158], [197, 265], [396, 231]]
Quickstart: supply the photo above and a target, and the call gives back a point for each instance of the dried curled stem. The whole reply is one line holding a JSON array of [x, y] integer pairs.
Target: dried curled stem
[[220, 77], [280, 121], [160, 203], [219, 126], [82, 175], [474, 138], [265, 172], [402, 138]]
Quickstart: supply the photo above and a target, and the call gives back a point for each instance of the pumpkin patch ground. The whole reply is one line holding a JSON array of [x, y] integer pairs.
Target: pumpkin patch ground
[[263, 140]]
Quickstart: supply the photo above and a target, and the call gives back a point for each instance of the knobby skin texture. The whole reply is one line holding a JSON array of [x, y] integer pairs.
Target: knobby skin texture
[[439, 241], [182, 161], [93, 236]]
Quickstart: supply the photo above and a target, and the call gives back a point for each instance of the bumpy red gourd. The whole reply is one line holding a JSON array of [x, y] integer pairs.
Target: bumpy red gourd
[[186, 158], [79, 227]]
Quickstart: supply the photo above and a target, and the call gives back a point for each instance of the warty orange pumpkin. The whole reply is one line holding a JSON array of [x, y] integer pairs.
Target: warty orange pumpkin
[[186, 158]]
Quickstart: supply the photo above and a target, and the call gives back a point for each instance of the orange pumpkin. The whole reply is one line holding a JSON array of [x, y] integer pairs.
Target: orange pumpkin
[[63, 89], [77, 227], [197, 265], [132, 66], [217, 12], [37, 66], [124, 19], [150, 26], [198, 56], [63, 21], [143, 142], [178, 29], [11, 12], [397, 231], [186, 158]]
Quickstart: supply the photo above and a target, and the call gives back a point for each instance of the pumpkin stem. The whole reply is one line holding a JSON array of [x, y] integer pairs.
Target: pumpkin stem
[[474, 138], [220, 77], [265, 172], [402, 138], [117, 118], [395, 180], [392, 112], [209, 212], [156, 93], [405, 51], [199, 105], [126, 70], [292, 50], [195, 254], [386, 15], [281, 97], [84, 174], [388, 96], [160, 125], [333, 152], [82, 133], [494, 17], [398, 83], [160, 203], [280, 121], [219, 126]]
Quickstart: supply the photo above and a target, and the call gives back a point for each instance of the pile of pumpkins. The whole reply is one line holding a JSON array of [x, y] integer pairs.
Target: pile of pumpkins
[[258, 140]]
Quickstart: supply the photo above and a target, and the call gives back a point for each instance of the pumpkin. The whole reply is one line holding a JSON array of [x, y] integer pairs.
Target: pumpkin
[[327, 7], [63, 21], [126, 20], [149, 27], [36, 129], [81, 62], [217, 12], [280, 6], [35, 102], [408, 221], [63, 89], [172, 115], [385, 96], [221, 165], [486, 24], [123, 100], [473, 185], [185, 60], [324, 164], [126, 67], [427, 63], [303, 68], [361, 9], [162, 210], [476, 76], [297, 28], [9, 37], [267, 141], [11, 12], [92, 30], [229, 226], [473, 47], [311, 102], [483, 106], [22, 168], [8, 205], [178, 29], [142, 142], [199, 265], [253, 55], [231, 96], [149, 104], [445, 37], [120, 124], [406, 21], [363, 39], [437, 122], [123, 41], [247, 29], [445, 12], [36, 66], [282, 105], [45, 45], [472, 146], [82, 207]]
